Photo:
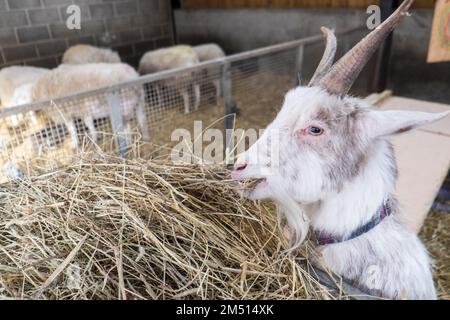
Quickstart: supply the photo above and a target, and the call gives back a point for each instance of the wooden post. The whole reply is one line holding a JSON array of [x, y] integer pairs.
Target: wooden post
[[299, 65], [335, 283], [230, 108], [380, 73], [174, 4], [115, 114]]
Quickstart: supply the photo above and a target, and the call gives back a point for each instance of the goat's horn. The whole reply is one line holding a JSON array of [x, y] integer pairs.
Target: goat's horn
[[328, 56], [346, 70]]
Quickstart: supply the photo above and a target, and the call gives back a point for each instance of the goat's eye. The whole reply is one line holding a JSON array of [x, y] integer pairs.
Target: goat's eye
[[315, 131]]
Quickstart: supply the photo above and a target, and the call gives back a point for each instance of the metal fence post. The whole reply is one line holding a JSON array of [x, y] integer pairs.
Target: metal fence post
[[115, 113], [229, 108], [299, 63]]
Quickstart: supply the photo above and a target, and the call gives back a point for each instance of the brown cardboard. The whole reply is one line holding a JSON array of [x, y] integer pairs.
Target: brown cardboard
[[423, 158]]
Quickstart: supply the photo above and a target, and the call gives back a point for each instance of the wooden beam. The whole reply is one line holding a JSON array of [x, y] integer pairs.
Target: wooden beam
[[380, 72], [174, 4], [239, 4], [338, 285]]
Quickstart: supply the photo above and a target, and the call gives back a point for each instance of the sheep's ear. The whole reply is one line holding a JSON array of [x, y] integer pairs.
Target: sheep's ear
[[390, 122]]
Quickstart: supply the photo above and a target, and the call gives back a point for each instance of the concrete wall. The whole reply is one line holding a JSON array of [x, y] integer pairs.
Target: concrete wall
[[34, 32], [245, 29]]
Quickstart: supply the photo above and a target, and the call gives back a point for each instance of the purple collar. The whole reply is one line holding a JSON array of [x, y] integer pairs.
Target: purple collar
[[324, 238]]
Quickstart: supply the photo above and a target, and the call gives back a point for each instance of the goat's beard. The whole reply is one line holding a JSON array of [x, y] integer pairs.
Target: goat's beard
[[249, 188], [292, 221]]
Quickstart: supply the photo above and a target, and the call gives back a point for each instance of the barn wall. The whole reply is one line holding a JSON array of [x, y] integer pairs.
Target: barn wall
[[244, 29], [239, 4], [34, 32]]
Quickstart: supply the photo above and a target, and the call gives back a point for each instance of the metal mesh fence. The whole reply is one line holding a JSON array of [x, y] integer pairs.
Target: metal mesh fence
[[253, 83]]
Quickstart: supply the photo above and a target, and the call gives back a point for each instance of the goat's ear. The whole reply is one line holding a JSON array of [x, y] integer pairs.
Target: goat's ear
[[384, 123]]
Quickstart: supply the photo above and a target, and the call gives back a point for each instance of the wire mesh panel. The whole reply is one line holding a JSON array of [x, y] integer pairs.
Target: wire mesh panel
[[251, 84], [259, 85], [51, 135], [171, 103]]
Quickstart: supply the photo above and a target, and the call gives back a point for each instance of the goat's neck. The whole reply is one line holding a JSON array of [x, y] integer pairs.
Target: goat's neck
[[341, 213]]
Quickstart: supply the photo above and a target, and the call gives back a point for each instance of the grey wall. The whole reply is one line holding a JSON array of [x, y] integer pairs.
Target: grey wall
[[34, 32], [245, 29]]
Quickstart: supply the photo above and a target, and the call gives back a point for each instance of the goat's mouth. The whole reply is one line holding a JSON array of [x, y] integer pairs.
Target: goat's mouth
[[250, 184]]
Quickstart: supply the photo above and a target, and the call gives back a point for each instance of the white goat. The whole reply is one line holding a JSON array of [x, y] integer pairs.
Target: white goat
[[68, 79], [335, 171], [14, 81], [211, 51], [84, 53], [171, 58]]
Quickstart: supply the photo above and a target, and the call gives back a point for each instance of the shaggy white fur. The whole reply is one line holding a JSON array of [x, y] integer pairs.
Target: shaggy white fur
[[84, 53], [210, 51], [15, 82], [69, 79]]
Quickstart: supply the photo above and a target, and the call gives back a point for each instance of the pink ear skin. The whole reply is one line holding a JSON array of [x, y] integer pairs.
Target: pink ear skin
[[128, 68]]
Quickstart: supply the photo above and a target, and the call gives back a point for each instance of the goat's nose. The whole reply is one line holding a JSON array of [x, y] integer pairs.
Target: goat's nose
[[240, 166]]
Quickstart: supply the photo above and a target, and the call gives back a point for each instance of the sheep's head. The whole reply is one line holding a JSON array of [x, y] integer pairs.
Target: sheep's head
[[321, 137], [22, 94]]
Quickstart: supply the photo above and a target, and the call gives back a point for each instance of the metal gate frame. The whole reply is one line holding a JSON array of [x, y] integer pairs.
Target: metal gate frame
[[226, 82]]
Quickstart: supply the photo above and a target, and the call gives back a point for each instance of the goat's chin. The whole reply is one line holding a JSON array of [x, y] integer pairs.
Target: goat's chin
[[259, 192]]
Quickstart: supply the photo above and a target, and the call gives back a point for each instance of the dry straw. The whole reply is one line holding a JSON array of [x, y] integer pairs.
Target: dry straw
[[108, 228], [436, 235]]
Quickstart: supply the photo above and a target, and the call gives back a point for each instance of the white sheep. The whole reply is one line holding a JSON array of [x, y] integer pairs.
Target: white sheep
[[211, 51], [15, 153], [327, 162], [84, 53], [171, 58], [69, 79], [13, 83]]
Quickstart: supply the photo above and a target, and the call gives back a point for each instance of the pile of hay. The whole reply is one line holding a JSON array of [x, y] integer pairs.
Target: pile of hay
[[108, 228], [435, 234]]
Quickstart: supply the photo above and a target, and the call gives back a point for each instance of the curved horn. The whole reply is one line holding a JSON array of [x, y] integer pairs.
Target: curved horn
[[346, 70], [328, 56]]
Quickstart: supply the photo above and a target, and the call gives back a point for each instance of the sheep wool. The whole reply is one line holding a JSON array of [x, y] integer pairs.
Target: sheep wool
[[83, 53], [209, 51], [69, 79], [14, 77]]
